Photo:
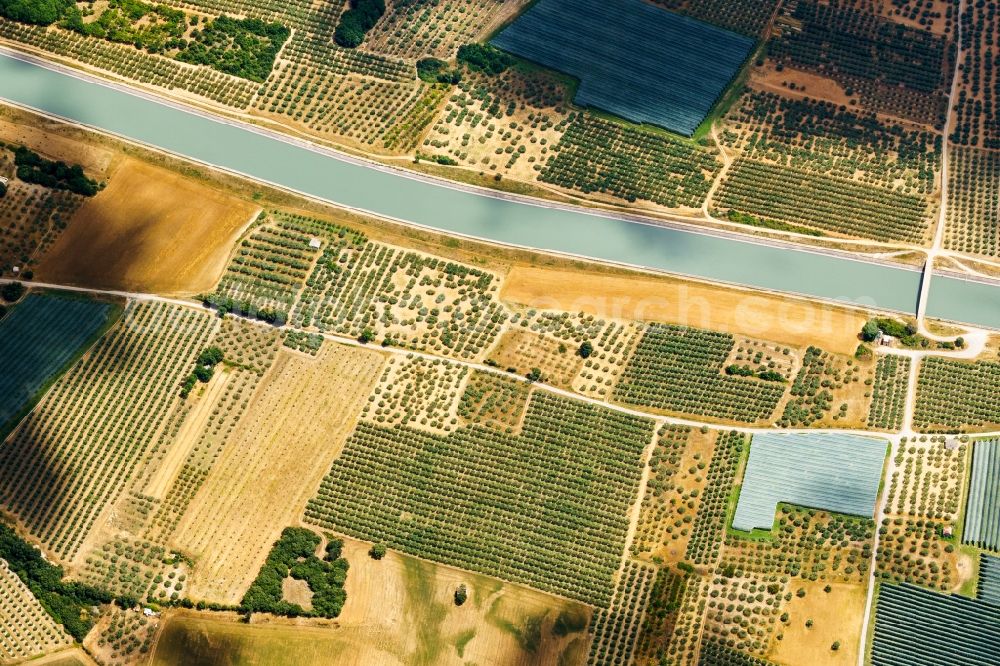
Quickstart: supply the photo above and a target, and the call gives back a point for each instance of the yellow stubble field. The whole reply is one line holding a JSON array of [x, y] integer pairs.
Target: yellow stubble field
[[296, 425], [782, 319]]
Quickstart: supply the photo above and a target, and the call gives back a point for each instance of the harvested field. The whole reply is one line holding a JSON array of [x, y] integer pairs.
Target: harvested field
[[296, 425], [755, 314], [399, 610], [836, 617], [795, 83], [150, 230]]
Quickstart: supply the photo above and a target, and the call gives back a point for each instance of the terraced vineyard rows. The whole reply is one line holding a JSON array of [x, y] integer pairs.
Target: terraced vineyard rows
[[74, 455], [38, 339], [679, 369], [539, 508], [938, 410], [889, 392], [982, 513], [26, 630], [630, 163]]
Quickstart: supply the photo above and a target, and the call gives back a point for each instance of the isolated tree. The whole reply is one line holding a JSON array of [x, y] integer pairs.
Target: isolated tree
[[586, 349], [461, 594], [377, 551], [870, 330], [210, 356]]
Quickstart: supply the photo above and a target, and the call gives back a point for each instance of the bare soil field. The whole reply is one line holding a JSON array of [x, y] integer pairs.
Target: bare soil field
[[73, 657], [806, 84], [399, 610], [150, 230], [836, 617], [525, 350], [296, 425], [781, 319], [95, 161]]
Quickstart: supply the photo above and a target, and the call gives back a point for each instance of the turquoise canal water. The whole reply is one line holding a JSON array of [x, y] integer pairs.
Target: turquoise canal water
[[523, 223]]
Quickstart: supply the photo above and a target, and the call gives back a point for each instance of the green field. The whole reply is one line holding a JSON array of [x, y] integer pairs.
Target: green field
[[546, 508], [680, 369]]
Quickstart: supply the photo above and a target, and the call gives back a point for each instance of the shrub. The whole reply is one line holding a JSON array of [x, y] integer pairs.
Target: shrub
[[484, 58], [33, 168], [12, 291], [432, 70]]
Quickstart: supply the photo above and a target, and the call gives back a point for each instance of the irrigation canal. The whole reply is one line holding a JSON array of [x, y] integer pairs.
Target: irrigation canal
[[392, 193]]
